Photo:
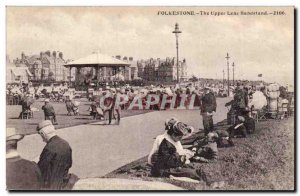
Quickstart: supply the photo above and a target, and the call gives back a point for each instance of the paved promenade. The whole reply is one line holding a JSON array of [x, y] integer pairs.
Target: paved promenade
[[99, 149]]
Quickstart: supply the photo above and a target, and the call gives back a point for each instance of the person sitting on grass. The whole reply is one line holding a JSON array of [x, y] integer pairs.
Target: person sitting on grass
[[238, 129], [172, 159], [206, 150], [223, 135], [152, 157]]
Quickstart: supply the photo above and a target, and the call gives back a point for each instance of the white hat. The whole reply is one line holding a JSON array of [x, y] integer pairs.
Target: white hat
[[43, 124], [47, 100], [11, 134]]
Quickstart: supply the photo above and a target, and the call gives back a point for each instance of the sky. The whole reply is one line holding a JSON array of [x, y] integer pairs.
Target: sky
[[256, 44]]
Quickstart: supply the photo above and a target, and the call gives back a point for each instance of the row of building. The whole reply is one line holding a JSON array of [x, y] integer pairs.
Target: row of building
[[50, 66], [162, 69], [44, 66]]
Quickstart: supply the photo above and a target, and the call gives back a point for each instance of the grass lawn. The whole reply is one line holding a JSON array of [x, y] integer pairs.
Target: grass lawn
[[28, 126], [262, 161]]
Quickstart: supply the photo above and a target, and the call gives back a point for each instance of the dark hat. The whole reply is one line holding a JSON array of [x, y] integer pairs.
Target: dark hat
[[169, 123]]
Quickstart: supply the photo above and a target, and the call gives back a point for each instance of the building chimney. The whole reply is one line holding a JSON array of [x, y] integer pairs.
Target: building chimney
[[54, 54], [130, 59], [41, 55], [118, 57], [61, 55], [22, 56]]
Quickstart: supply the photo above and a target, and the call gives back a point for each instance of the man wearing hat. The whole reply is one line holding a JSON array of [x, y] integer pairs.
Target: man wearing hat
[[55, 160], [239, 102], [21, 174], [49, 112], [208, 107]]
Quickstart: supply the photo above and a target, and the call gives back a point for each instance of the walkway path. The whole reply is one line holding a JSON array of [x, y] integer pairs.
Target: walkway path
[[98, 149]]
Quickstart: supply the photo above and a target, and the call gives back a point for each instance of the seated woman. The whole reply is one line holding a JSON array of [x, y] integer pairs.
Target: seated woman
[[168, 123], [172, 159]]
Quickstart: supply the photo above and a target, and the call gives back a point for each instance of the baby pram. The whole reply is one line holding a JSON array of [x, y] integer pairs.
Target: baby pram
[[76, 107], [72, 106]]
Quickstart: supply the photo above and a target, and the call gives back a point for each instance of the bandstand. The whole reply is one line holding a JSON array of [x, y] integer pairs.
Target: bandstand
[[104, 65]]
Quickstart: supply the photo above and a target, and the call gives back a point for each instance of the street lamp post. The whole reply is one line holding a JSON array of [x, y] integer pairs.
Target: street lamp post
[[227, 57], [223, 79], [233, 73], [176, 32]]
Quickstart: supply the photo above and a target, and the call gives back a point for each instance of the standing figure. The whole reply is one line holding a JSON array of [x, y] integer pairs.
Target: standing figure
[[208, 107], [238, 104], [49, 112], [111, 109], [55, 159], [21, 174], [69, 106]]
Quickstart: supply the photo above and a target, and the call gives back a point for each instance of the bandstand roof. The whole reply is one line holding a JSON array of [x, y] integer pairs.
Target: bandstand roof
[[97, 59]]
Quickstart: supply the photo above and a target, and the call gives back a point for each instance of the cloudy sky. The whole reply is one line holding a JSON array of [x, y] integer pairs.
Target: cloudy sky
[[256, 44]]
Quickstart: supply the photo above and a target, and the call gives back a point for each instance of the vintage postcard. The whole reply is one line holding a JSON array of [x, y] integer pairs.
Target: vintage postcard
[[150, 98]]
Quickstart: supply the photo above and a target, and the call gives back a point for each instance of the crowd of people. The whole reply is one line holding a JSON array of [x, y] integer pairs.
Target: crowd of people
[[167, 157]]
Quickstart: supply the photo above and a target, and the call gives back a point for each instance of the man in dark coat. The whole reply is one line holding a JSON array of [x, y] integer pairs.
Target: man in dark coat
[[239, 102], [49, 112], [208, 107], [21, 174], [55, 160], [109, 103]]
